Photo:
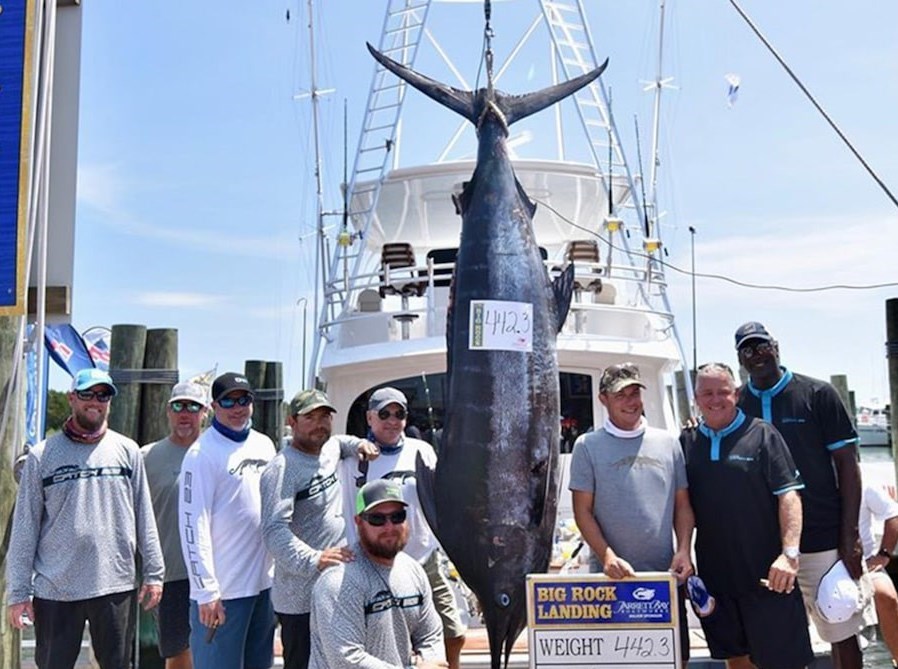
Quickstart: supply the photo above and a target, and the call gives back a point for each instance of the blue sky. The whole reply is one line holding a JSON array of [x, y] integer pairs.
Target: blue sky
[[196, 199]]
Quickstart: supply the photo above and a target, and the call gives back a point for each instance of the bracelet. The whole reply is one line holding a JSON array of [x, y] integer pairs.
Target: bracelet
[[885, 552]]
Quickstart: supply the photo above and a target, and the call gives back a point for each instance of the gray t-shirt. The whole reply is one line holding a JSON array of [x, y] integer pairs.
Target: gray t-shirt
[[302, 514], [634, 482], [82, 515], [162, 461], [368, 616]]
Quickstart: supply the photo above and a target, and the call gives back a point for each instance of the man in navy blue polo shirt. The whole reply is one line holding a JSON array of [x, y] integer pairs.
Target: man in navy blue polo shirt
[[821, 437], [743, 487]]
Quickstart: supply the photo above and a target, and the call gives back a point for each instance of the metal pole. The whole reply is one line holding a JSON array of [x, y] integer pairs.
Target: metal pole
[[694, 332], [305, 310]]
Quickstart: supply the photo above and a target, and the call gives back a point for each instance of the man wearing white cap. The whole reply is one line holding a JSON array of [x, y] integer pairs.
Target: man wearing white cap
[[162, 459], [83, 514], [387, 418]]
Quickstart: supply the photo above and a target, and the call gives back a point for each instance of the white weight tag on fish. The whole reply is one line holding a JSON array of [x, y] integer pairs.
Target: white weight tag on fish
[[497, 325]]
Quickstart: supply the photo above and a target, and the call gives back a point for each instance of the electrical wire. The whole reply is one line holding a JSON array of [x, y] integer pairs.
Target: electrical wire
[[717, 277]]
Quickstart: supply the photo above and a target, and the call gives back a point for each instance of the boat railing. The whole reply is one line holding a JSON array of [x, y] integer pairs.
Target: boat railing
[[410, 302]]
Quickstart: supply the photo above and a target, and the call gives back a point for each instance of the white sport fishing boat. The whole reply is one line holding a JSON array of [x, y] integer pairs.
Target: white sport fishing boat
[[382, 318], [873, 428], [383, 315]]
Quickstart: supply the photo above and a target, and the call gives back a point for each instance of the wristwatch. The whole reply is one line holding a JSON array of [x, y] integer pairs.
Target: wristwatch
[[791, 552], [886, 553]]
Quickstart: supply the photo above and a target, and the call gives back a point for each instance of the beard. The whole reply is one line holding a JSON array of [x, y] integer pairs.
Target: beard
[[386, 547], [87, 422]]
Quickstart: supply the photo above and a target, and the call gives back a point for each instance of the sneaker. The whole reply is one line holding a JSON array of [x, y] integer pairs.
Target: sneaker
[[703, 602]]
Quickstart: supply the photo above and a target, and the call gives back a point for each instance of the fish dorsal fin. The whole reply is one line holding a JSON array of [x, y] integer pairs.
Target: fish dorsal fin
[[563, 288], [425, 478]]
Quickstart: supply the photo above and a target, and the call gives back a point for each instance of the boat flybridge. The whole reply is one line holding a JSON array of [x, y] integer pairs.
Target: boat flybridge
[[383, 314]]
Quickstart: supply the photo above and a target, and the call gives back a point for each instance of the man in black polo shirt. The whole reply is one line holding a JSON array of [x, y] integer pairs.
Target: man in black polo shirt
[[743, 487], [821, 437]]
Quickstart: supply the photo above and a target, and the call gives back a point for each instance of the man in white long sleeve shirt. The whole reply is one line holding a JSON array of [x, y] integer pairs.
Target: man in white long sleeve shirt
[[83, 513], [231, 619]]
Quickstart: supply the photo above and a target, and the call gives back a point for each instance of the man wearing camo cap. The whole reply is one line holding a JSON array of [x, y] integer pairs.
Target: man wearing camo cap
[[303, 522]]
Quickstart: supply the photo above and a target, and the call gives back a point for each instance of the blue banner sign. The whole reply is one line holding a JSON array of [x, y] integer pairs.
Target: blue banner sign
[[16, 72], [591, 602]]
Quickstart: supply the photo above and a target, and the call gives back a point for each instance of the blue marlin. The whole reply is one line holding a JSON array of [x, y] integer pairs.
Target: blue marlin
[[492, 498]]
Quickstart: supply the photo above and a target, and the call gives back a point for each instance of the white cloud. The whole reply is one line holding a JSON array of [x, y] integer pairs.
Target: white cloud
[[180, 300]]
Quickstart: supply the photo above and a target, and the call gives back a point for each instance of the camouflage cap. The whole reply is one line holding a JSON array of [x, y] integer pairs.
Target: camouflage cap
[[617, 377], [306, 401]]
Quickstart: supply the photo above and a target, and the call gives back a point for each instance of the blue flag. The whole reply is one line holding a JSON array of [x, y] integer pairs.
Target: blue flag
[[67, 348]]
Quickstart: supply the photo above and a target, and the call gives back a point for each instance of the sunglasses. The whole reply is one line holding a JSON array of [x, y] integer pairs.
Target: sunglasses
[[189, 407], [88, 395], [380, 519], [399, 414], [751, 350], [229, 402]]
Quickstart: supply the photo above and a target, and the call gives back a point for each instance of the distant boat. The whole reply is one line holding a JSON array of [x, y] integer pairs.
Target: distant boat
[[873, 425]]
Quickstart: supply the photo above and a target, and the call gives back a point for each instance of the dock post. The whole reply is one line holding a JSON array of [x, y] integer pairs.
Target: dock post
[[161, 364], [892, 355], [126, 353]]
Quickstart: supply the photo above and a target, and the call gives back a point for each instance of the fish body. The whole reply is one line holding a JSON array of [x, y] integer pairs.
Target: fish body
[[492, 498]]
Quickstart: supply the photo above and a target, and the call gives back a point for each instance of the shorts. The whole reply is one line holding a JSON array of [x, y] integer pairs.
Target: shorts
[[770, 627], [173, 618], [443, 597], [811, 570]]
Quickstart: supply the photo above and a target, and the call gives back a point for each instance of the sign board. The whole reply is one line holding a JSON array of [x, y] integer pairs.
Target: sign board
[[16, 77], [589, 620], [501, 326]]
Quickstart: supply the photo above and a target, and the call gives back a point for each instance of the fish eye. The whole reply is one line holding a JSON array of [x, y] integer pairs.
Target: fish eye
[[503, 600]]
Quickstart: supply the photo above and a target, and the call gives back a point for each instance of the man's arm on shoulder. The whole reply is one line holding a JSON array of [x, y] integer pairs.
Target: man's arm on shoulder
[[356, 448], [848, 473]]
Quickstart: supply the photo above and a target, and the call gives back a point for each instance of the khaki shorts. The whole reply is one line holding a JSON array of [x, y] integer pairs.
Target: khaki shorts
[[443, 597], [811, 570]]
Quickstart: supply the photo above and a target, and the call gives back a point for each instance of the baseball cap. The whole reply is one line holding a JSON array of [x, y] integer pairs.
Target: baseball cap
[[306, 401], [384, 397], [617, 377], [377, 492], [90, 377], [703, 603], [229, 382], [751, 330], [839, 597], [187, 391]]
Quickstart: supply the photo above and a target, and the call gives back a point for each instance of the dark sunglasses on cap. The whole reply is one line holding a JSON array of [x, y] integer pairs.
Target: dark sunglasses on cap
[[229, 402], [189, 407], [399, 414], [380, 519], [88, 395]]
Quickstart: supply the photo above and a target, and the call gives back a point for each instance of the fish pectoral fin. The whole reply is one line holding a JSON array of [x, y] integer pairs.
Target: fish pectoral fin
[[563, 289]]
